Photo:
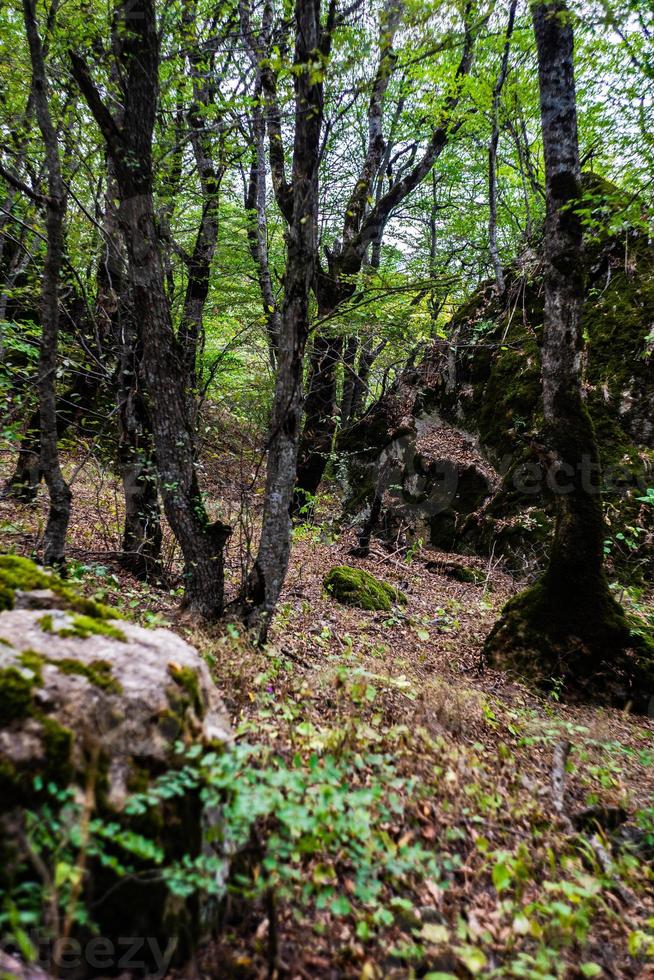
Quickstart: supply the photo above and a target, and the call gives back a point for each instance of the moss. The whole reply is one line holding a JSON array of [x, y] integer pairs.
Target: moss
[[356, 587], [89, 607], [97, 672], [187, 679], [33, 661], [17, 786], [498, 390], [169, 724], [6, 597], [85, 626], [465, 573], [16, 690], [17, 703], [46, 623], [58, 745], [21, 574]]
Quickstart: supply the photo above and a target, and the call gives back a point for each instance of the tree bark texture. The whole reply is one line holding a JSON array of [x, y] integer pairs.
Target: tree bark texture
[[202, 541], [363, 227], [267, 576], [58, 490], [142, 536]]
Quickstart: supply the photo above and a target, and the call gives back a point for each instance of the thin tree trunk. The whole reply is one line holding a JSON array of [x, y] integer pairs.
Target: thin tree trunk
[[367, 357], [267, 576], [60, 495], [191, 328], [320, 416], [492, 153], [255, 204], [258, 47], [349, 379]]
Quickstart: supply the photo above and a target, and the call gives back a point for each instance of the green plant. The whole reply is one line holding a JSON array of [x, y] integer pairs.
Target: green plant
[[325, 832], [320, 823]]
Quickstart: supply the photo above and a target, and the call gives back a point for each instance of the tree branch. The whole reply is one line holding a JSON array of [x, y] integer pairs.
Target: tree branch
[[18, 185], [103, 117]]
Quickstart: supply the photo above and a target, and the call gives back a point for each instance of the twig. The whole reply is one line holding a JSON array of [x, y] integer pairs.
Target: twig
[[561, 753]]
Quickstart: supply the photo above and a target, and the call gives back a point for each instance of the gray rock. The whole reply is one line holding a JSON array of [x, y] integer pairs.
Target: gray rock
[[133, 696], [78, 691]]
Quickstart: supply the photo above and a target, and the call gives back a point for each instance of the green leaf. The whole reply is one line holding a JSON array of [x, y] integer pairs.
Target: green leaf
[[341, 906]]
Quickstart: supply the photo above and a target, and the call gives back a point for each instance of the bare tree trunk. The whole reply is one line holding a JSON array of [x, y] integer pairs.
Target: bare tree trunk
[[267, 576], [567, 627], [255, 203], [202, 542], [320, 416], [367, 357], [492, 153], [349, 379], [60, 495], [142, 536], [258, 47], [210, 173]]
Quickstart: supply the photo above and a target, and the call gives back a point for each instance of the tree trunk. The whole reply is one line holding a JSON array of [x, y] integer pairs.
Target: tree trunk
[[363, 226], [567, 628], [255, 204], [142, 537], [320, 417], [267, 576], [492, 154], [202, 542], [60, 495], [191, 329], [349, 380]]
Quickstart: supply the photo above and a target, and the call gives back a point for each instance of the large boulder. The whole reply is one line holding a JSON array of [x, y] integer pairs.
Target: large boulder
[[481, 390], [94, 704]]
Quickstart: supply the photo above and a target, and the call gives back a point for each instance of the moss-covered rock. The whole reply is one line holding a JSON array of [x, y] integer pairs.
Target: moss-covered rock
[[486, 383], [465, 573], [82, 626], [16, 687], [25, 585], [356, 587], [85, 698]]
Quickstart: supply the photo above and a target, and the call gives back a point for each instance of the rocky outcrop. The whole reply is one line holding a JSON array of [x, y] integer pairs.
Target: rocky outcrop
[[480, 391], [100, 707]]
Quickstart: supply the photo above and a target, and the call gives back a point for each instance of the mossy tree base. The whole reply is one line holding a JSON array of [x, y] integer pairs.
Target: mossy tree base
[[574, 639]]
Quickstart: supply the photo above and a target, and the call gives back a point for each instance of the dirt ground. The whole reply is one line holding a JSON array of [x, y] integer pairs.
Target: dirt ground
[[478, 746]]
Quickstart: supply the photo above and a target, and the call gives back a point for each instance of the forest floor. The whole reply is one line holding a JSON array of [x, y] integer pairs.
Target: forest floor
[[518, 889]]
